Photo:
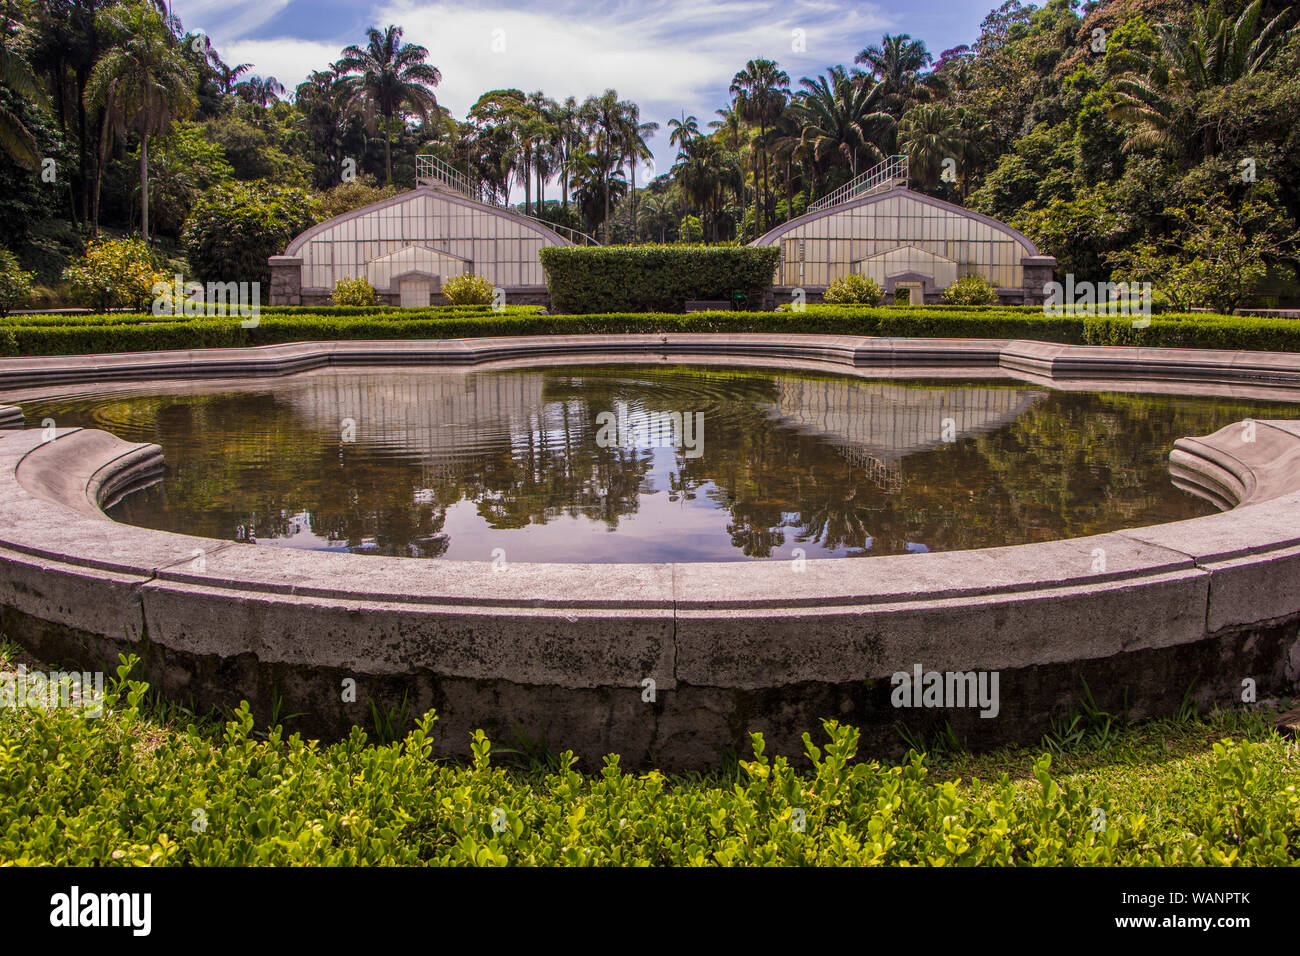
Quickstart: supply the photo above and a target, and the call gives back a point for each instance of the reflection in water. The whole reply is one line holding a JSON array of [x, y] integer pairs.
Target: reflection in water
[[441, 463]]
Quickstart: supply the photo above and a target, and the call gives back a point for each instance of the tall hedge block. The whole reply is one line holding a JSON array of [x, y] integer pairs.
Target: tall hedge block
[[596, 279]]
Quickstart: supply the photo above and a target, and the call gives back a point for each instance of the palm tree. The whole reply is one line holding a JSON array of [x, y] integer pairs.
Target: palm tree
[[143, 83], [227, 76], [322, 99], [260, 91], [790, 149], [394, 81], [683, 130], [657, 212], [699, 170], [568, 136], [606, 115], [761, 91], [1160, 95], [930, 133], [635, 149], [842, 118], [15, 138], [896, 64], [595, 183]]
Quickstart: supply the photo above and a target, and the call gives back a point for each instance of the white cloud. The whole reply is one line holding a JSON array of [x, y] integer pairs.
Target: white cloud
[[227, 19], [669, 56], [288, 60]]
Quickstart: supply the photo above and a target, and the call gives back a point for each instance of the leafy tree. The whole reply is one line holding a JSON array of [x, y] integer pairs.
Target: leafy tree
[[185, 165], [234, 229], [1217, 254]]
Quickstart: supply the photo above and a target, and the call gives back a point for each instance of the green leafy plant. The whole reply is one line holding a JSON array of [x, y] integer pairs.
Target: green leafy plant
[[15, 284], [654, 278], [970, 290], [115, 273], [236, 227], [124, 790], [355, 291], [854, 289], [467, 289]]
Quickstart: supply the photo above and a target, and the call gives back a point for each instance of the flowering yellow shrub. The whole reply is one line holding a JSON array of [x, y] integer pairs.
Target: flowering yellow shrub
[[114, 274]]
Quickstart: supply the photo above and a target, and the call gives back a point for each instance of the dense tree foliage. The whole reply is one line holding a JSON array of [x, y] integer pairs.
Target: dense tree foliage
[[1099, 129]]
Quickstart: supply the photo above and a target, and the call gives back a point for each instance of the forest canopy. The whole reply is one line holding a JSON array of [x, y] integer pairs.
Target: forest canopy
[[1137, 140]]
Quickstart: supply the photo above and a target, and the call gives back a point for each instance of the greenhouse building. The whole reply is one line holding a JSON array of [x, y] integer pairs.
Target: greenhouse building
[[407, 245], [877, 227]]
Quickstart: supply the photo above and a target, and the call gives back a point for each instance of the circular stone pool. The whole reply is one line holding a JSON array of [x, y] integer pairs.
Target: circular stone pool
[[681, 472], [648, 463]]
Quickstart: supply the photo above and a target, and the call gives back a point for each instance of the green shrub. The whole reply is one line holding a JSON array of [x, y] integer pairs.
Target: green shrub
[[970, 290], [468, 289], [854, 289], [346, 197], [357, 291], [235, 228], [115, 273], [15, 284], [86, 334], [123, 790], [651, 278]]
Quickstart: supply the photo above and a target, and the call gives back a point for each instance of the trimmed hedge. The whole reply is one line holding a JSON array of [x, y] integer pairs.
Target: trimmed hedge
[[610, 279], [120, 332]]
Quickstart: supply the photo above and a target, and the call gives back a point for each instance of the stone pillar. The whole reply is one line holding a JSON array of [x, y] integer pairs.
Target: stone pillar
[[286, 280], [1039, 270]]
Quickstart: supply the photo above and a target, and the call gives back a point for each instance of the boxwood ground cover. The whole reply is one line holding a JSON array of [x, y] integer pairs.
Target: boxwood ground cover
[[150, 784], [62, 334]]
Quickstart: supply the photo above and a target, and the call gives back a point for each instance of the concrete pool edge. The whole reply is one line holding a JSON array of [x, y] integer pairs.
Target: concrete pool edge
[[729, 647], [1031, 359]]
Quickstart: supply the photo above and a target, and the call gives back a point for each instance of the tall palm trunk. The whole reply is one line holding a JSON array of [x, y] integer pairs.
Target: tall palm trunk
[[388, 148], [635, 234], [144, 186]]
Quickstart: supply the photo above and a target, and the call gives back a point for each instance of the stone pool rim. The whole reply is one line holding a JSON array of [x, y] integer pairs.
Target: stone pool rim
[[73, 577]]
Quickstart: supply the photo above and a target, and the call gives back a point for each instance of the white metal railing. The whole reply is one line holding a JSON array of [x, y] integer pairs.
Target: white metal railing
[[430, 169], [892, 172]]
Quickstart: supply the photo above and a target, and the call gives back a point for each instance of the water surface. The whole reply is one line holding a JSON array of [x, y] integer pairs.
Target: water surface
[[590, 464]]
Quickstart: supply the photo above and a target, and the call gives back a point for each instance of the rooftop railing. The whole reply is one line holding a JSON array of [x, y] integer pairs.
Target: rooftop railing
[[892, 172], [430, 170]]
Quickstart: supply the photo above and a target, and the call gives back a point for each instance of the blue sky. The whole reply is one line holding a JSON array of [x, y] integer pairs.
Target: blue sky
[[670, 56]]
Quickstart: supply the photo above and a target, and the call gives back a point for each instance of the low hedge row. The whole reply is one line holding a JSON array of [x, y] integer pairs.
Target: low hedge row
[[652, 278], [77, 791], [134, 318], [119, 334]]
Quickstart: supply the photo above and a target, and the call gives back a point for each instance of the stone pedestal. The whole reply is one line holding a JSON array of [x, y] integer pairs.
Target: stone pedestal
[[286, 280], [1039, 271]]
